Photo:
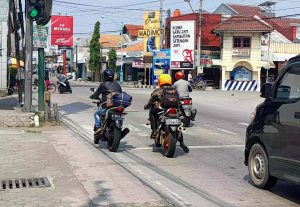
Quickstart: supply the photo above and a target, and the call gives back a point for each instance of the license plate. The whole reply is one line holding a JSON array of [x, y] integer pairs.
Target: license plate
[[186, 106], [172, 121], [116, 116]]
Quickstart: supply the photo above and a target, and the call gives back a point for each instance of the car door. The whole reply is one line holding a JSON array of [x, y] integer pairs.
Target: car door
[[282, 127]]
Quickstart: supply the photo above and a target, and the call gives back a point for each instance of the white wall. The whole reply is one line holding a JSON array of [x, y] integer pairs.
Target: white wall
[[3, 38]]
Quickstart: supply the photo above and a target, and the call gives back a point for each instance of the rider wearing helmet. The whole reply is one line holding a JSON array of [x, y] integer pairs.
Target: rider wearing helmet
[[105, 88], [164, 80], [182, 86]]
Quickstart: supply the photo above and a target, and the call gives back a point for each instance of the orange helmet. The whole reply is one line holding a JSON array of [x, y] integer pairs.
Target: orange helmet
[[164, 79], [179, 75]]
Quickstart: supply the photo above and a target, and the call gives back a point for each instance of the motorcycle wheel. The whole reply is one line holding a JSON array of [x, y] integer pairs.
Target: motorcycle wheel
[[60, 90], [52, 88], [35, 88], [70, 90], [157, 141], [187, 122], [114, 138], [201, 86], [170, 144]]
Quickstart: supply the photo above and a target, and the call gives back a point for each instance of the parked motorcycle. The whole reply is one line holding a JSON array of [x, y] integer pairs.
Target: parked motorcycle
[[112, 124], [199, 85], [186, 110], [169, 131], [50, 86], [63, 85]]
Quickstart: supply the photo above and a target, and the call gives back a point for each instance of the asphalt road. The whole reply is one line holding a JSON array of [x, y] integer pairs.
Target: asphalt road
[[212, 174]]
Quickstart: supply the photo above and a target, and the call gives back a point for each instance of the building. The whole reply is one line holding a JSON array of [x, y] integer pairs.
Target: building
[[132, 31], [241, 51], [4, 14]]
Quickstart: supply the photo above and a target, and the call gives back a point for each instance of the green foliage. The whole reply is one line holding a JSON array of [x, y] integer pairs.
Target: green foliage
[[95, 49], [112, 59]]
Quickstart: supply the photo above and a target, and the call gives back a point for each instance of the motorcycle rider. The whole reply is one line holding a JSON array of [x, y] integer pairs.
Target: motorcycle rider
[[105, 88], [164, 80], [183, 88]]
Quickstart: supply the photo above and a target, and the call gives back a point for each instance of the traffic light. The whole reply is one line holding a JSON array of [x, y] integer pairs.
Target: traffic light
[[40, 11]]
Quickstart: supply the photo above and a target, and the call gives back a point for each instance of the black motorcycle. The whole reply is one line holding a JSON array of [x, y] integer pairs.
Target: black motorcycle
[[169, 131], [199, 85], [64, 86], [112, 124]]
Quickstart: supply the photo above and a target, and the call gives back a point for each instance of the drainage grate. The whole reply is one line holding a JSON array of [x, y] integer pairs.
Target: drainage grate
[[12, 184]]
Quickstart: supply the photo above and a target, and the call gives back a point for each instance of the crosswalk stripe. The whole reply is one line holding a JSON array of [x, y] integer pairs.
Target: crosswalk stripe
[[243, 123]]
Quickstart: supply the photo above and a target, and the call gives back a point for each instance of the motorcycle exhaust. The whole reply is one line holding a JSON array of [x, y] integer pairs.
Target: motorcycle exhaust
[[124, 132]]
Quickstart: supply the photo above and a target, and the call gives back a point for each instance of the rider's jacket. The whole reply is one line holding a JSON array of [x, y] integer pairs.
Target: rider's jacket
[[105, 89], [183, 88]]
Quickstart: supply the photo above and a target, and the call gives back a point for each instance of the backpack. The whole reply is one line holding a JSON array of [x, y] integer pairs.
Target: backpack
[[122, 99], [170, 98], [109, 100]]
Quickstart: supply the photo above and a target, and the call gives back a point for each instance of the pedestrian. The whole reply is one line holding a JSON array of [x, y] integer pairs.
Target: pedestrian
[[190, 77]]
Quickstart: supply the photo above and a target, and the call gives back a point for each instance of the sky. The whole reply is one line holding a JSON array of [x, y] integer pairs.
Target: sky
[[112, 14]]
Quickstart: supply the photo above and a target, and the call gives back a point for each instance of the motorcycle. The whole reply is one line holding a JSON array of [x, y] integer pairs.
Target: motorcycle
[[50, 86], [112, 124], [199, 85], [64, 86], [186, 111], [169, 131]]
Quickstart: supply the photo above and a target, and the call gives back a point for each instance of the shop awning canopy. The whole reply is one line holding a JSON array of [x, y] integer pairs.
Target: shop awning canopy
[[281, 57]]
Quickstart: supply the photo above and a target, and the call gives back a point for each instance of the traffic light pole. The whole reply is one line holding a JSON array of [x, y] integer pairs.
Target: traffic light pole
[[28, 61], [41, 74]]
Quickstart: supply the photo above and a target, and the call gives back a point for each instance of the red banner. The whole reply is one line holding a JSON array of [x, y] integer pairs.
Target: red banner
[[62, 31]]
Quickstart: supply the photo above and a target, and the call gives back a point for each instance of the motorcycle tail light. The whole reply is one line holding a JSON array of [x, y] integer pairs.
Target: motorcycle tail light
[[120, 109], [186, 102], [172, 111]]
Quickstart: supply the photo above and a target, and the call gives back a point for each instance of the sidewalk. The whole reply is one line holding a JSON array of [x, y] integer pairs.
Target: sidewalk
[[79, 174]]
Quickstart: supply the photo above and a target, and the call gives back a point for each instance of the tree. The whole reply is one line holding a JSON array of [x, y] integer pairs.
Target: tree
[[94, 65], [112, 59]]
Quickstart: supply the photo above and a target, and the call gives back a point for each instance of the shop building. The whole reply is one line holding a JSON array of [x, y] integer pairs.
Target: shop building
[[241, 52]]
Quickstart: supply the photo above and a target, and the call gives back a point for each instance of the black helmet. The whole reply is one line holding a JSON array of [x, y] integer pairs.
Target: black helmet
[[108, 75]]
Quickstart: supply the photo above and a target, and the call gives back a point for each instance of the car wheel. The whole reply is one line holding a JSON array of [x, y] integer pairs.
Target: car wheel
[[258, 167]]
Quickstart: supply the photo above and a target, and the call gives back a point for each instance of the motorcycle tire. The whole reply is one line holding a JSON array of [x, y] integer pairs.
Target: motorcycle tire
[[96, 139], [114, 138], [201, 86], [35, 88], [52, 88], [187, 122], [70, 90], [170, 145]]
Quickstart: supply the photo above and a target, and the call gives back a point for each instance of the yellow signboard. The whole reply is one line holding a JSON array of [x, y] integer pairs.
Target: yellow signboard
[[153, 32], [151, 24], [158, 72]]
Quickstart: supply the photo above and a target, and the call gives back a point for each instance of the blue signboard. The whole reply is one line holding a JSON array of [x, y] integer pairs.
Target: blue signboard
[[241, 74], [161, 63]]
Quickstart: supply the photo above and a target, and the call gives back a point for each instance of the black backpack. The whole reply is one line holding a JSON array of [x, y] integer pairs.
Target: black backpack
[[169, 98]]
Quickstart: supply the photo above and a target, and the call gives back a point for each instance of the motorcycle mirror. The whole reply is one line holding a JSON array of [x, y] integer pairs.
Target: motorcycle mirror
[[92, 89]]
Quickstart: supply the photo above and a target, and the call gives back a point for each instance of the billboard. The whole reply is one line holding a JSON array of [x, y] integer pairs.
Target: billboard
[[161, 63], [62, 31], [182, 44], [151, 31]]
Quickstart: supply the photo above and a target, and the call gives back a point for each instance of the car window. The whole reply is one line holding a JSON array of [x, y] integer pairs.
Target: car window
[[289, 86]]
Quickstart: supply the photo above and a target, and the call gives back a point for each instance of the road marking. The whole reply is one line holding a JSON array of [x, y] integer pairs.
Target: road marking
[[147, 126], [226, 131], [191, 147], [243, 124]]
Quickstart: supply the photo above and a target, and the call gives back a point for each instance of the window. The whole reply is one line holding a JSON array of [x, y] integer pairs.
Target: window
[[241, 42], [289, 87]]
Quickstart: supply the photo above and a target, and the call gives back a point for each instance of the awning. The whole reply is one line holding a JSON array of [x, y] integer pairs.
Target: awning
[[281, 57]]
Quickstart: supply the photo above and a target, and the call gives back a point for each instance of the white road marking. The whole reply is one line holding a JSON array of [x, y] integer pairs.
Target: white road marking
[[226, 131], [243, 124], [194, 147], [147, 126]]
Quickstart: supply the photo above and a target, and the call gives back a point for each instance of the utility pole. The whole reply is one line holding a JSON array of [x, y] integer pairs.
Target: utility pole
[[199, 69], [76, 62], [28, 60], [161, 24], [41, 74]]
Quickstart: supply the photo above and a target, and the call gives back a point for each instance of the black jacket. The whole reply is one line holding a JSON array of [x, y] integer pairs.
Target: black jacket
[[105, 89]]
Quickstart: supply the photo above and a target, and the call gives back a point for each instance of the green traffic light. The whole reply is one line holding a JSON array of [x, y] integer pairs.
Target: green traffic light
[[33, 12]]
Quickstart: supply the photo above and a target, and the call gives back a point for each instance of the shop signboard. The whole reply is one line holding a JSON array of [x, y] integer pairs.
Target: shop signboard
[[182, 44], [151, 31], [40, 36], [241, 52], [62, 33], [161, 63]]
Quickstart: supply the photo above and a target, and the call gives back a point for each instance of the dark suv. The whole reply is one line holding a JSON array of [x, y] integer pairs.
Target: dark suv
[[272, 148]]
